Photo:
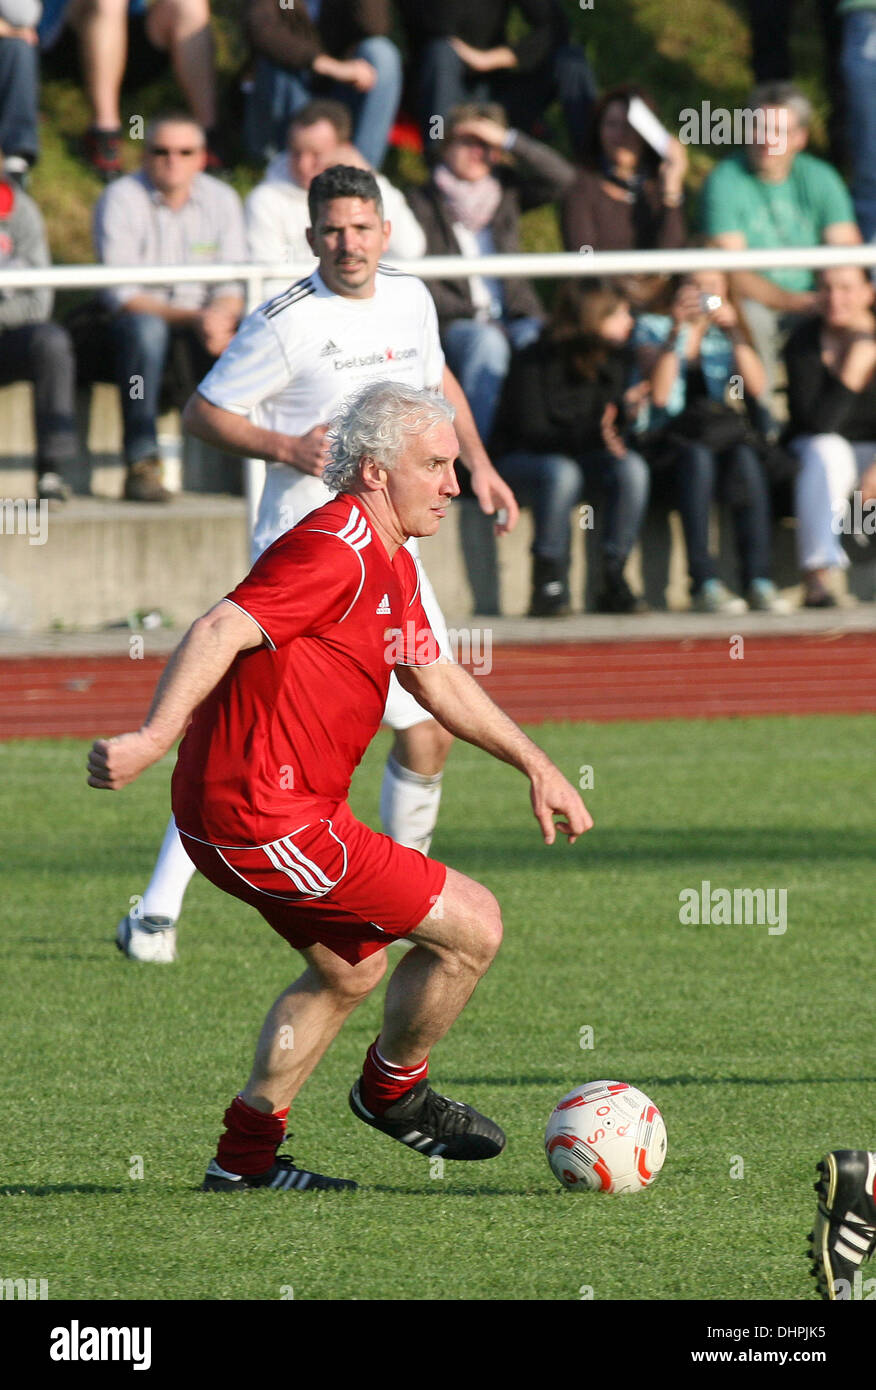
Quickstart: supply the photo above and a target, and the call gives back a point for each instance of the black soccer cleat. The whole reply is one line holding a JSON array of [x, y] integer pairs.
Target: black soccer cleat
[[282, 1176], [845, 1223], [434, 1125]]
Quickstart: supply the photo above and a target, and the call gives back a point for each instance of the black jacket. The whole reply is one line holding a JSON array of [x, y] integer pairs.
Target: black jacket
[[818, 402], [484, 24], [290, 38], [548, 409]]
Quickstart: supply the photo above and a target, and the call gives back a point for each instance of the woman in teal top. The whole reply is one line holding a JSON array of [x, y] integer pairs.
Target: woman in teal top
[[700, 349]]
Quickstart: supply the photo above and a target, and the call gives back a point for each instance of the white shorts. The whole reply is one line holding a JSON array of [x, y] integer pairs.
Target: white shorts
[[289, 496]]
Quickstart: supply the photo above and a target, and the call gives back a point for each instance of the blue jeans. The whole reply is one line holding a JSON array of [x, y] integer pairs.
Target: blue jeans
[[140, 343], [19, 98], [445, 81], [43, 353], [479, 354], [278, 94], [151, 357], [737, 476], [859, 71], [552, 484]]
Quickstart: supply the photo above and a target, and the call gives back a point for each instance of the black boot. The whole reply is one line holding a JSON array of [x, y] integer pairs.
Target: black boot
[[616, 596], [550, 589]]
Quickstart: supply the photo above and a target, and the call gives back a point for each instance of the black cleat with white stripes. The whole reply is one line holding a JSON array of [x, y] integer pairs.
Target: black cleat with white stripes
[[282, 1176], [433, 1125], [845, 1223]]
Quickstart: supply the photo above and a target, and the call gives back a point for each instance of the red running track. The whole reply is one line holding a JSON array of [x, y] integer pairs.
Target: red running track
[[86, 697]]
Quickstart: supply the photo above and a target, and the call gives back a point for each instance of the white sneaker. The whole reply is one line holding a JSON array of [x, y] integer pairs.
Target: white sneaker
[[764, 597], [715, 597], [150, 939]]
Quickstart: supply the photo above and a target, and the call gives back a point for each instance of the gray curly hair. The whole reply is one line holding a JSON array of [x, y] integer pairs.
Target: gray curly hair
[[376, 423]]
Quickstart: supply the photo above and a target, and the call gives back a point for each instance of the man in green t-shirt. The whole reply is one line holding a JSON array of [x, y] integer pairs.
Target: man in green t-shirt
[[775, 194]]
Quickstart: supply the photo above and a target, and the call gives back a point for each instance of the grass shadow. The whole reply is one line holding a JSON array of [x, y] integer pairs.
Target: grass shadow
[[58, 1189]]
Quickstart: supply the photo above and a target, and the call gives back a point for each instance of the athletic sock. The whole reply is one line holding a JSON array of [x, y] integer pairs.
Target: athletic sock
[[383, 1082], [409, 804], [171, 877], [251, 1138]]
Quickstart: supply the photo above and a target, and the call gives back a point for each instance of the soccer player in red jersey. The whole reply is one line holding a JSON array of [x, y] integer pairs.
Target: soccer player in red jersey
[[284, 682], [271, 395]]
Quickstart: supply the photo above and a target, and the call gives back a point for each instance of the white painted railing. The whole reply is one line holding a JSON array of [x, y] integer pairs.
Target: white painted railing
[[535, 265]]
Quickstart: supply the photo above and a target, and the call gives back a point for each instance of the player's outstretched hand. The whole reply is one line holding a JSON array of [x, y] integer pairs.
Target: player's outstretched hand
[[495, 498], [311, 453], [552, 795], [114, 762]]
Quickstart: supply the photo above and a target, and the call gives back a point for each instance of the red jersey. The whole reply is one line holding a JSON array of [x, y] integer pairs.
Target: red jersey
[[290, 720]]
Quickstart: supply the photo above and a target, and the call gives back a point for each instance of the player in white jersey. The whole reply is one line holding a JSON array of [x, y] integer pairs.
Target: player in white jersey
[[271, 395]]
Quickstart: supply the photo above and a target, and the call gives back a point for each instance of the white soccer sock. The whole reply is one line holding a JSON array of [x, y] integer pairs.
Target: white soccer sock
[[170, 877], [409, 804]]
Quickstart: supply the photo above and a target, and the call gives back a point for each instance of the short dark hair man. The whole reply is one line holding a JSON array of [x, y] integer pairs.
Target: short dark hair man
[[285, 682]]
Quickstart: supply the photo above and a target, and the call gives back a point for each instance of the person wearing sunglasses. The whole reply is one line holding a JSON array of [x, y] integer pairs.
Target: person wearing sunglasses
[[169, 213]]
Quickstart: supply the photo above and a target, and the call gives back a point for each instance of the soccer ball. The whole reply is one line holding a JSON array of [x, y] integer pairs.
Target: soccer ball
[[607, 1137]]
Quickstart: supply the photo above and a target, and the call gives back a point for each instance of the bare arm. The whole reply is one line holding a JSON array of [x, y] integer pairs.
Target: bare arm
[[456, 700], [236, 434], [747, 284], [859, 362], [491, 490], [146, 303], [842, 234], [196, 667], [663, 369]]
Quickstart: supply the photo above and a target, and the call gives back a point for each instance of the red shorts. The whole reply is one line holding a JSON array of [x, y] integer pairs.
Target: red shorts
[[330, 880]]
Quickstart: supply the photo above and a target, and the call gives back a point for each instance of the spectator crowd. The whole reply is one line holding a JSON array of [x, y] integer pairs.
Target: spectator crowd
[[743, 389]]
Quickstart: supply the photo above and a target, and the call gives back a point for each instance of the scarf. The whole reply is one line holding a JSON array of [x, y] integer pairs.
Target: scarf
[[473, 203]]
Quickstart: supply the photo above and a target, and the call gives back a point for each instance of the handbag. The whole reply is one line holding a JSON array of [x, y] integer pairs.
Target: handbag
[[709, 422]]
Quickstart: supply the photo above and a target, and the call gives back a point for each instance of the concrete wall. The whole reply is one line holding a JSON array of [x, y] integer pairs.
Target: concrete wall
[[101, 559]]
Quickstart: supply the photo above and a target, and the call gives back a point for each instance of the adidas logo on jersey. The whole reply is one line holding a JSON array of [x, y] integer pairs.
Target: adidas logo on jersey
[[330, 350], [383, 606]]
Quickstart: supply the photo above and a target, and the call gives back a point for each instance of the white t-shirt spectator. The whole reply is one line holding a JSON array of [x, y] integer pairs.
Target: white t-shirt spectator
[[277, 216]]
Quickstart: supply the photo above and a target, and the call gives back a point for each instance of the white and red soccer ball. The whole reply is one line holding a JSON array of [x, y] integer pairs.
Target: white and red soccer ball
[[606, 1136]]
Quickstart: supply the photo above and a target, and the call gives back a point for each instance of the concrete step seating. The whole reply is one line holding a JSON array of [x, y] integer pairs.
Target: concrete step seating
[[99, 560]]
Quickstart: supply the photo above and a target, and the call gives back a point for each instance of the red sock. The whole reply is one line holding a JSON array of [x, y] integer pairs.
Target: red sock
[[251, 1138], [383, 1083]]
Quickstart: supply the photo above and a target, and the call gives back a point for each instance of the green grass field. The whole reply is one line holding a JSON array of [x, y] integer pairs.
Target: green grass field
[[759, 1049]]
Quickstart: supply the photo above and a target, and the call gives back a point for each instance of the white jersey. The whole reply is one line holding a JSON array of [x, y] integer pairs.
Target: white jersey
[[295, 358], [293, 361]]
